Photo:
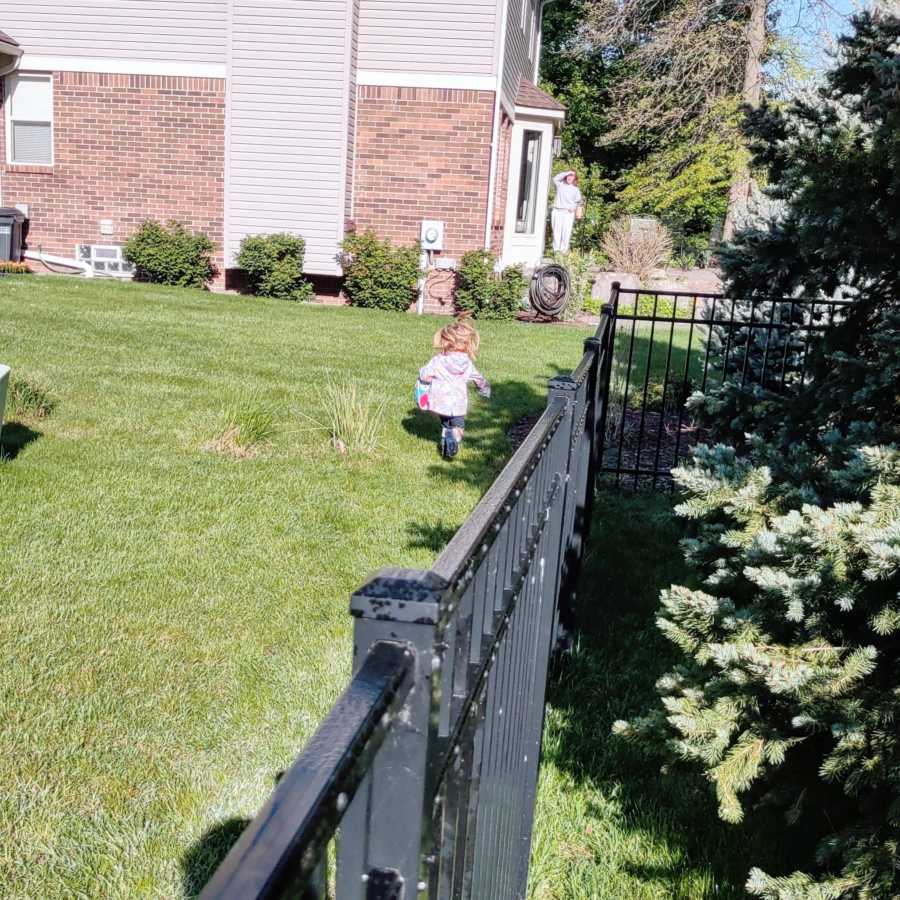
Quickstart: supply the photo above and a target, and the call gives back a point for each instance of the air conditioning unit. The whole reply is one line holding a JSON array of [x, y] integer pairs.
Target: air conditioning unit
[[104, 260]]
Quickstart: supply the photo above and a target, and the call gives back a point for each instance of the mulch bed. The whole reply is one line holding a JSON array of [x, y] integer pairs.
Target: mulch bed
[[660, 435], [627, 436], [518, 431]]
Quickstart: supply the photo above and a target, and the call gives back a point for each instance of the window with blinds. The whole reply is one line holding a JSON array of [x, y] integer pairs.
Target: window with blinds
[[29, 125]]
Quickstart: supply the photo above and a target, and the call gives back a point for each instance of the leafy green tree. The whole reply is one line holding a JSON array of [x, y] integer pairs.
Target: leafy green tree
[[789, 689]]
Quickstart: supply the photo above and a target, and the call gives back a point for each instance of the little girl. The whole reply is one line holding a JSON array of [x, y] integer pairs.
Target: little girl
[[448, 375]]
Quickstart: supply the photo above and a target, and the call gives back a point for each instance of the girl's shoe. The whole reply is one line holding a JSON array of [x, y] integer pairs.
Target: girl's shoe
[[449, 446]]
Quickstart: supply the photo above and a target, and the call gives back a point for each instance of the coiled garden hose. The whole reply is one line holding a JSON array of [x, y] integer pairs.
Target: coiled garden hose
[[549, 291]]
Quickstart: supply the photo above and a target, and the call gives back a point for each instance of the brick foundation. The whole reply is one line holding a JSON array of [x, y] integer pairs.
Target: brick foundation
[[127, 148], [423, 153]]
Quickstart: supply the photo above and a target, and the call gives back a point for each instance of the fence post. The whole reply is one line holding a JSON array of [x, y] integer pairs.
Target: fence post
[[606, 335], [564, 387], [383, 830]]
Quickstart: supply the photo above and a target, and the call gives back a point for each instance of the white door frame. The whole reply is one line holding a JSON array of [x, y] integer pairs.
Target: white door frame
[[527, 249]]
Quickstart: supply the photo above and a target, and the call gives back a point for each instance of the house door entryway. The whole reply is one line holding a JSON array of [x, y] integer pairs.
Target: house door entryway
[[525, 227]]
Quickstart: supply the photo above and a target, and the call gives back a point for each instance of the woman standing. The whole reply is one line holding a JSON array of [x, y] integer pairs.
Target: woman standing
[[568, 200]]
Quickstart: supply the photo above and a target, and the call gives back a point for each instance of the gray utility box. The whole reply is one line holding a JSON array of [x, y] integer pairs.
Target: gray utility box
[[11, 225]]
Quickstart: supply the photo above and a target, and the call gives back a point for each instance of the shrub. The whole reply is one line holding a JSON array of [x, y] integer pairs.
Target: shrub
[[637, 253], [28, 398], [13, 268], [579, 266], [483, 293], [274, 266], [379, 275], [170, 255], [787, 687]]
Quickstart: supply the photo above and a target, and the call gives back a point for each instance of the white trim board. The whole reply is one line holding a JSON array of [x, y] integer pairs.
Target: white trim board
[[535, 112], [34, 62], [373, 77]]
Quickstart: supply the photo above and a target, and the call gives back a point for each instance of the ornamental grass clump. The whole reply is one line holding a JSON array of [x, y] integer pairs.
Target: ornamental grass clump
[[355, 418], [788, 688], [638, 253], [246, 430], [28, 398]]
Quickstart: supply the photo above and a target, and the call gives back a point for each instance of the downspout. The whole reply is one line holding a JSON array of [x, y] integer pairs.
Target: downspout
[[540, 42], [62, 261], [495, 136], [16, 54]]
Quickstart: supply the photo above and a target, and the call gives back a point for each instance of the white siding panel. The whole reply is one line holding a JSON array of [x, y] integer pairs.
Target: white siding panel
[[431, 36], [288, 123], [171, 30]]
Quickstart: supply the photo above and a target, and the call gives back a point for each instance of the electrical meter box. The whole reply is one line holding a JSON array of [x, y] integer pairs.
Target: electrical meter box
[[11, 224], [432, 236]]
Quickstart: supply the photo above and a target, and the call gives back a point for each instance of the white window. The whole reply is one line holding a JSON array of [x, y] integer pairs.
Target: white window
[[529, 170], [29, 119], [523, 10]]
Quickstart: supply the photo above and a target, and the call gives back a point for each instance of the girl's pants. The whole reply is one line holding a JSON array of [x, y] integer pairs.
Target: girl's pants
[[562, 221]]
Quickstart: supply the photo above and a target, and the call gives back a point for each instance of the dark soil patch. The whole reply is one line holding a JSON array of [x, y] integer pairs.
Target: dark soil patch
[[657, 443], [658, 440], [518, 431]]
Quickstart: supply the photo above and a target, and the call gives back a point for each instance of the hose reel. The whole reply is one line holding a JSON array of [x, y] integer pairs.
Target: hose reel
[[549, 291]]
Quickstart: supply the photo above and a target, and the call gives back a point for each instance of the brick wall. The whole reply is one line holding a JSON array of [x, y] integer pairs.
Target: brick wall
[[127, 148], [501, 184], [423, 153]]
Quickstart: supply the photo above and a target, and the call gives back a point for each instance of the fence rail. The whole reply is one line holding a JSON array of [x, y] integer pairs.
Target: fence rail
[[668, 344], [427, 766]]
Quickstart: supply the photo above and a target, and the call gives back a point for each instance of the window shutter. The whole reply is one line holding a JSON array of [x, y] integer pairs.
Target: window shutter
[[32, 143]]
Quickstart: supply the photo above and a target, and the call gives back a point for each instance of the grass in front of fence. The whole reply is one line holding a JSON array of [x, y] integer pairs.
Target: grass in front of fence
[[608, 824], [174, 620], [643, 346]]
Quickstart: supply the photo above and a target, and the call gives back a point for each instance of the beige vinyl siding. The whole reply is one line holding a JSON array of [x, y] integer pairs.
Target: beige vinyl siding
[[288, 103], [429, 36], [169, 30], [518, 58]]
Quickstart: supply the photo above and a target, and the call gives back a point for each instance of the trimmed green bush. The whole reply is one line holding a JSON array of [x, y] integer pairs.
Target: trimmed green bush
[[379, 275], [170, 255], [274, 266], [483, 293]]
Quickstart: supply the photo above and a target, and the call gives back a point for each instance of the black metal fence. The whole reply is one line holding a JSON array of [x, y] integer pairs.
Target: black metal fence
[[667, 345], [427, 766]]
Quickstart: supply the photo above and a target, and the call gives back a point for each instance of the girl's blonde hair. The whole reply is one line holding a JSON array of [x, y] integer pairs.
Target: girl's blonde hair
[[458, 337]]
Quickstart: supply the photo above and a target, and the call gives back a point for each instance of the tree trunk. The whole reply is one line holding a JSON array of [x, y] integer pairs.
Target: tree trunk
[[751, 94]]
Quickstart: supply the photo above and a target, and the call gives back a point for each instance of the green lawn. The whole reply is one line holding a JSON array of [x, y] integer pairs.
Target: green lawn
[[650, 345], [175, 622], [608, 825]]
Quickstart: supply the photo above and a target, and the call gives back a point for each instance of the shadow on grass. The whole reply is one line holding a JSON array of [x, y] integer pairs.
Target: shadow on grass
[[204, 856], [617, 657], [14, 438], [486, 445], [485, 449]]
